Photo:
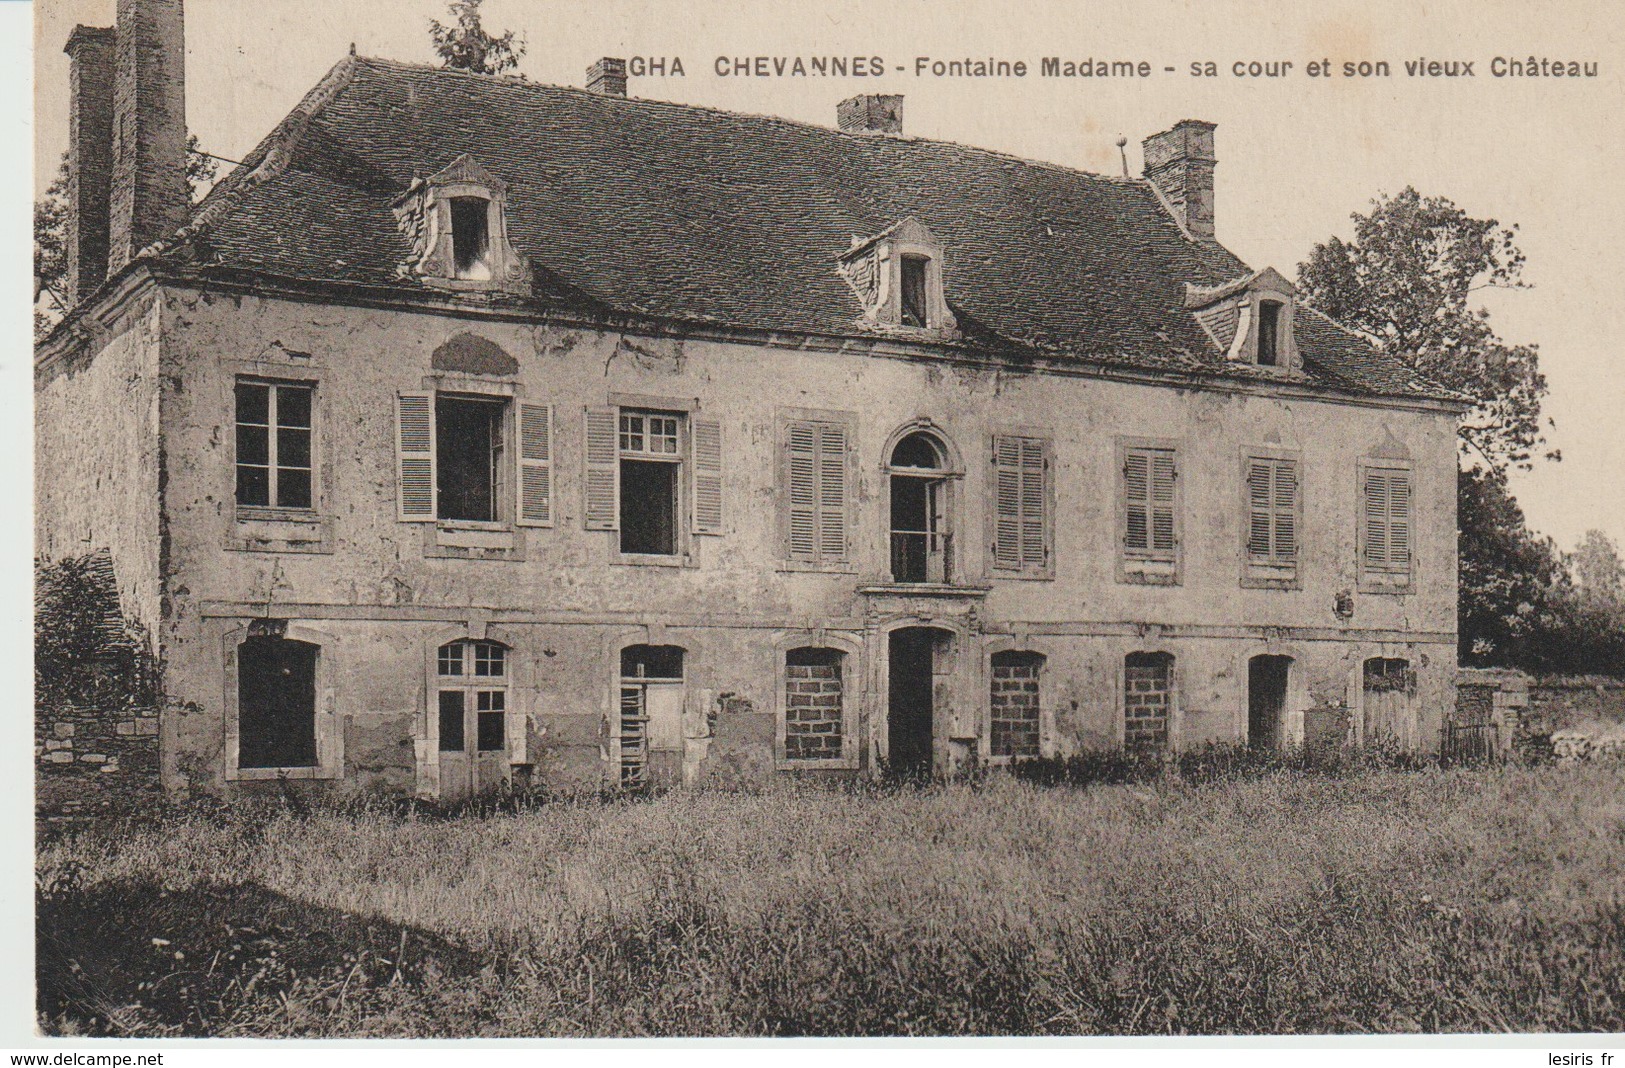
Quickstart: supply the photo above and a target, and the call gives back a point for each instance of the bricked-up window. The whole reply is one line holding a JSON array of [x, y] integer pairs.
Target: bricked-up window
[[1021, 504], [1148, 682], [815, 498], [473, 696], [1015, 704], [813, 709], [1272, 510], [1150, 503], [276, 703], [915, 295], [273, 444], [471, 237], [1269, 332], [1387, 521]]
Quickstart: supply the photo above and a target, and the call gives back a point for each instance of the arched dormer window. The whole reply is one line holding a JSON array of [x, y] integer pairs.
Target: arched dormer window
[[898, 277], [457, 222], [1250, 319]]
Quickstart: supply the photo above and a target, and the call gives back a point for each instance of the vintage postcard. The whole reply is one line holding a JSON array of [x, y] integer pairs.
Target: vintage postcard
[[847, 520]]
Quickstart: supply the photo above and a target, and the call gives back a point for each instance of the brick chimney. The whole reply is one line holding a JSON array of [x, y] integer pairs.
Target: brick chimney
[[150, 198], [90, 155], [870, 114], [1180, 163], [607, 77]]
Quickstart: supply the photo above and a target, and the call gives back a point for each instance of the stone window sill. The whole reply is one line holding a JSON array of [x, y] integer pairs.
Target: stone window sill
[[458, 540], [1394, 583], [1142, 572], [1262, 576], [266, 774], [280, 530], [653, 560]]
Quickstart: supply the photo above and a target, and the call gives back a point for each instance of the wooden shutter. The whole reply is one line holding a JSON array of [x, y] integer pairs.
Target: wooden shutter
[[1399, 520], [1162, 503], [815, 484], [1137, 501], [414, 457], [1272, 508], [1021, 498], [535, 475], [603, 482], [1376, 519], [707, 476]]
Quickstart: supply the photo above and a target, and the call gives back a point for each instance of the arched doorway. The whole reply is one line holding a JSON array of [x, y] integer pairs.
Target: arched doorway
[[1267, 678], [919, 660], [921, 538]]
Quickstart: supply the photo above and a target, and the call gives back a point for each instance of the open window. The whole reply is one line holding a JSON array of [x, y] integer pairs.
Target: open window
[[456, 220], [469, 458], [922, 540], [654, 476], [898, 276]]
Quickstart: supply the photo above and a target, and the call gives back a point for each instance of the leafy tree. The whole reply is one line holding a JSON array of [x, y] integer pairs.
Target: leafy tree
[[1407, 281], [1599, 572], [464, 45], [1511, 587]]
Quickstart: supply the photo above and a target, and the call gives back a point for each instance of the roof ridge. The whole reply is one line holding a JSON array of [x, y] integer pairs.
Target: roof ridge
[[526, 83]]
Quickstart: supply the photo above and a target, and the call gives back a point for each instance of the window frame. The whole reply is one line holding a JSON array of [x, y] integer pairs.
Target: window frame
[[1148, 567], [329, 737], [504, 491], [785, 420], [1046, 439], [681, 483], [698, 434], [1384, 579], [1270, 573], [426, 723]]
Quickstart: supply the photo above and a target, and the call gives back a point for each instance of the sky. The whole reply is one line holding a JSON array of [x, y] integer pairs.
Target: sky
[[1297, 154]]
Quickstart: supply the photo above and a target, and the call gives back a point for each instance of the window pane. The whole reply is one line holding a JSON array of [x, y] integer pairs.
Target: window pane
[[253, 403], [451, 658], [451, 721], [292, 447], [293, 488], [253, 445], [489, 658], [493, 736], [276, 704], [632, 433], [293, 406], [253, 486]]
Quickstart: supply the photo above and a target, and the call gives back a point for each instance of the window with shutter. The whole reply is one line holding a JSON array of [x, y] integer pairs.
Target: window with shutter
[[707, 476], [1385, 551], [1021, 525], [1273, 510], [602, 506], [1148, 510], [415, 455], [815, 497]]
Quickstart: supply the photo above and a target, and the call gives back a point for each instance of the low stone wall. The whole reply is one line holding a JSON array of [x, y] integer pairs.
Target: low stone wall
[[89, 758], [1534, 714]]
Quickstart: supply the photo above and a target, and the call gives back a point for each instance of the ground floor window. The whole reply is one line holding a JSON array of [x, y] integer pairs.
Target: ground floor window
[[813, 698], [276, 703], [651, 712], [1388, 684], [1014, 700], [1147, 700]]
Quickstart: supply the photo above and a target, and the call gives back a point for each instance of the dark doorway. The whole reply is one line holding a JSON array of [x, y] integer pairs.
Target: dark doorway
[[1266, 701], [912, 654]]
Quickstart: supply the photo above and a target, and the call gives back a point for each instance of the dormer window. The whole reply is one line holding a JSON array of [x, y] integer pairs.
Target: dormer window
[[898, 278], [1249, 319], [471, 237], [456, 220], [1269, 324]]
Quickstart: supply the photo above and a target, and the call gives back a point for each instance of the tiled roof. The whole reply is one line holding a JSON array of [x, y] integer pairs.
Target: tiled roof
[[687, 213]]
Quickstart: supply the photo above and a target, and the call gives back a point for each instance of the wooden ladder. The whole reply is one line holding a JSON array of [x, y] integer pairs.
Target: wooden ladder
[[634, 739]]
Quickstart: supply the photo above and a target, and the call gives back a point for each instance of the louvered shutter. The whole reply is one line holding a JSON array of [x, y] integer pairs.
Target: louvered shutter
[[831, 491], [707, 476], [414, 457], [1021, 528], [1137, 501], [535, 457], [603, 483], [815, 484], [1376, 519], [1259, 517], [803, 500], [1162, 503], [1399, 520], [1286, 509]]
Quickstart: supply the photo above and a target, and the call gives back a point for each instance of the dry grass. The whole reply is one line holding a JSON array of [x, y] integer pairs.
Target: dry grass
[[1437, 900]]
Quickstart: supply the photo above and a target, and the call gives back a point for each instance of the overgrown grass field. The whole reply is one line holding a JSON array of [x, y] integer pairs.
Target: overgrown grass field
[[1433, 900]]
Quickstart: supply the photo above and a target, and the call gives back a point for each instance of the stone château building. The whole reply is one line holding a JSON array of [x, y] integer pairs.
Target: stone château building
[[477, 430]]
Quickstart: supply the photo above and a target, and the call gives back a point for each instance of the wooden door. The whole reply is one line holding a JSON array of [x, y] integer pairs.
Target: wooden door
[[473, 741]]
